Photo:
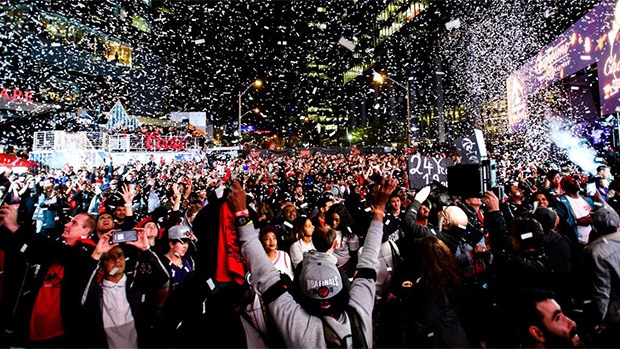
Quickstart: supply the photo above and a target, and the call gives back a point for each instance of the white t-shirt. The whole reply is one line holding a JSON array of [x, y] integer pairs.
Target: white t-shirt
[[581, 208], [118, 320], [386, 266], [283, 263], [345, 244], [256, 321], [297, 251]]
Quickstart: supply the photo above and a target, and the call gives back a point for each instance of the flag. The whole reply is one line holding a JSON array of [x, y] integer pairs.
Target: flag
[[471, 148]]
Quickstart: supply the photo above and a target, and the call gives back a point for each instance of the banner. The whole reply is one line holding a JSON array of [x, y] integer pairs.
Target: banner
[[423, 170], [471, 148]]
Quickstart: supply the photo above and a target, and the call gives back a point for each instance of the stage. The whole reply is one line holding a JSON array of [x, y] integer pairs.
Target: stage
[[60, 149]]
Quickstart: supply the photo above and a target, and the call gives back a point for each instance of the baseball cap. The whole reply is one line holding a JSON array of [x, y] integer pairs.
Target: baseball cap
[[606, 220], [105, 186], [178, 232], [114, 181], [319, 277]]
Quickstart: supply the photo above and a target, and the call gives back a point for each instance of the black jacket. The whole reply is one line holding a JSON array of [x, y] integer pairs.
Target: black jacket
[[412, 230], [29, 258], [515, 270], [140, 290]]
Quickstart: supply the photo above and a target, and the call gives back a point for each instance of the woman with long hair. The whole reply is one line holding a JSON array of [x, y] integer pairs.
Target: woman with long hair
[[431, 295], [348, 243], [303, 231], [265, 214]]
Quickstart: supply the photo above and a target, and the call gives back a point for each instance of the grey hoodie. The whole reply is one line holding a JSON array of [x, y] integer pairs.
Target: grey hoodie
[[298, 328]]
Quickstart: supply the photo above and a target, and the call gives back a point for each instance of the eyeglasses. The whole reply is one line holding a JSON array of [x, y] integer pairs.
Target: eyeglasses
[[446, 216]]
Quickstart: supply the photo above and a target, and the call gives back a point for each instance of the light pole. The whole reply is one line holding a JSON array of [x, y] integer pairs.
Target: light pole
[[380, 78], [257, 83]]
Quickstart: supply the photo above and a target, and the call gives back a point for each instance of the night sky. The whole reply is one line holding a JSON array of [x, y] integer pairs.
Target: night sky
[[241, 43]]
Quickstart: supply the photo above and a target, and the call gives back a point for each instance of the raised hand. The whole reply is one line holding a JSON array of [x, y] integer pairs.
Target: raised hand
[[237, 198], [491, 201], [127, 194], [385, 189], [103, 245], [423, 194], [8, 217], [142, 242]]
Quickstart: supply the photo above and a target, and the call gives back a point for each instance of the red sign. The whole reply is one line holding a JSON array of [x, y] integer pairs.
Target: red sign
[[156, 142], [16, 95], [10, 161]]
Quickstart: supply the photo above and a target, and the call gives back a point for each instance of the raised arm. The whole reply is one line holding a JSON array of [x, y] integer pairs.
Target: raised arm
[[372, 243], [264, 274], [410, 225]]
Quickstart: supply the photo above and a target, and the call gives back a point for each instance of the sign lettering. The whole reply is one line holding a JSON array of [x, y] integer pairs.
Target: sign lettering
[[423, 170], [155, 142], [16, 95], [612, 66], [468, 150]]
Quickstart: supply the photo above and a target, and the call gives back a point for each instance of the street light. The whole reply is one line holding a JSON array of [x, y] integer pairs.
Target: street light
[[380, 78], [257, 83], [255, 111]]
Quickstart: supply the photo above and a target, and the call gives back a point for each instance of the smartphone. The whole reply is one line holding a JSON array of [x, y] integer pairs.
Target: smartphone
[[591, 189], [124, 236]]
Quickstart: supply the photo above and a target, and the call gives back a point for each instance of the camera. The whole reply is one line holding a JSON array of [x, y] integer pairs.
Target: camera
[[124, 236], [4, 195], [472, 180]]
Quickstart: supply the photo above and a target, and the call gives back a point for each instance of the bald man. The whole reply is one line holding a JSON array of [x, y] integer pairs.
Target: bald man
[[452, 219], [452, 230]]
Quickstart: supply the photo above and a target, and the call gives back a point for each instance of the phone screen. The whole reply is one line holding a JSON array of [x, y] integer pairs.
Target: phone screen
[[591, 189], [124, 236]]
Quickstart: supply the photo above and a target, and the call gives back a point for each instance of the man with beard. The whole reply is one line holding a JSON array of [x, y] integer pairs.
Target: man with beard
[[423, 215], [574, 211], [541, 322]]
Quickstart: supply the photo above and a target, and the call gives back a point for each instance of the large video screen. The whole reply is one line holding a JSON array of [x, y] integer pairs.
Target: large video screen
[[593, 41]]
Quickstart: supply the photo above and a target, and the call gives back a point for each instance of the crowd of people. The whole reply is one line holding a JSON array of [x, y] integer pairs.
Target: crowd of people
[[308, 251]]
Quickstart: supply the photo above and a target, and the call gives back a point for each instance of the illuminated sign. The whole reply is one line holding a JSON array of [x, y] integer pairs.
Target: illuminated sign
[[16, 95], [155, 142], [611, 69], [593, 39]]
